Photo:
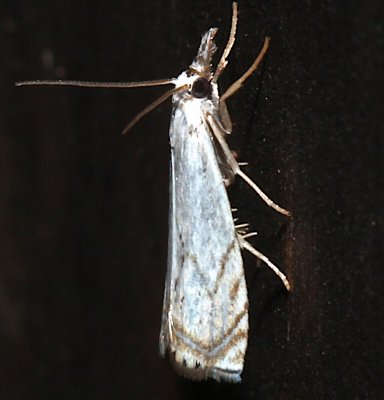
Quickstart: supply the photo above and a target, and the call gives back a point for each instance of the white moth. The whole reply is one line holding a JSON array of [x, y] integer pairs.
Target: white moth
[[204, 326]]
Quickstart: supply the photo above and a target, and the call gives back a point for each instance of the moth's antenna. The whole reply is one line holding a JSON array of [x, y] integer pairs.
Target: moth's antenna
[[109, 85], [115, 85], [237, 84], [223, 60], [152, 106]]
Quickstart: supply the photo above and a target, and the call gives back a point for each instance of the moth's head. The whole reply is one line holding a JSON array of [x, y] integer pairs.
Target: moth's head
[[197, 80]]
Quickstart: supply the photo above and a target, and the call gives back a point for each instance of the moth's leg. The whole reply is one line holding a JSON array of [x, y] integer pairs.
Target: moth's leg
[[225, 117], [228, 181], [241, 227], [234, 165], [228, 175], [237, 85], [245, 245], [170, 325]]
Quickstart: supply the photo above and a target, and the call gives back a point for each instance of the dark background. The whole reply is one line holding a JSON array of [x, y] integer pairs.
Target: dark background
[[83, 218]]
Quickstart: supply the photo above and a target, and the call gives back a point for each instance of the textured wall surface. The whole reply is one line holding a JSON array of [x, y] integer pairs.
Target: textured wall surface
[[84, 211]]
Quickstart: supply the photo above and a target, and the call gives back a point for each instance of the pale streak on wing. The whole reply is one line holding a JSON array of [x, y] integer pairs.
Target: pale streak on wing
[[205, 314]]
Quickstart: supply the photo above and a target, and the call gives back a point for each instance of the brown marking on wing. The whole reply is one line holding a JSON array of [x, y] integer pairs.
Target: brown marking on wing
[[223, 264], [234, 289], [183, 336]]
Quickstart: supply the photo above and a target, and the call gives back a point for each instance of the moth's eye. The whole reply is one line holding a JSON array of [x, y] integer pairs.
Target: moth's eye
[[201, 88]]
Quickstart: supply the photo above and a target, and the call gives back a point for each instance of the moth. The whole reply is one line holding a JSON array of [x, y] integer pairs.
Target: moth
[[204, 327]]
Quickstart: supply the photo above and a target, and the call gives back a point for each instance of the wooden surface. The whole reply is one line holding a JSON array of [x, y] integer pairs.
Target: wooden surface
[[84, 211]]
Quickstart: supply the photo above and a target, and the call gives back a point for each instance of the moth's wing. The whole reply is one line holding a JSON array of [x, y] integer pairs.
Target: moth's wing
[[205, 313]]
